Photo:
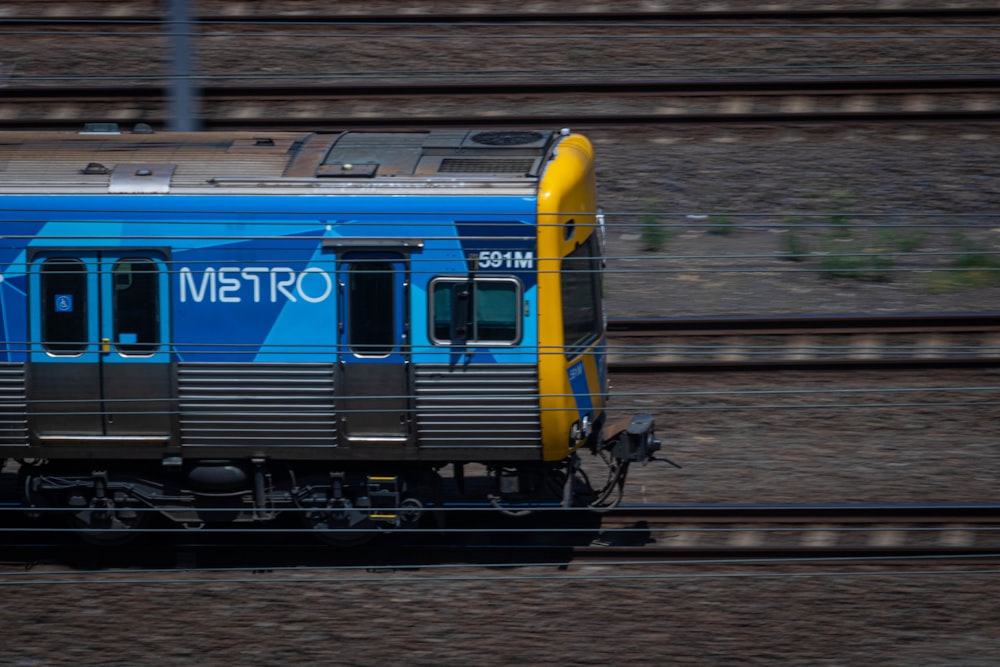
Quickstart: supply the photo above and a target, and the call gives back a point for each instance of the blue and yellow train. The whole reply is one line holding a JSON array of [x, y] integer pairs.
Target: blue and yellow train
[[228, 326]]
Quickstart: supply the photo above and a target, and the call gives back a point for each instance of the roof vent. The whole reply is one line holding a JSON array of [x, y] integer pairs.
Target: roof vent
[[96, 169], [507, 138], [486, 166]]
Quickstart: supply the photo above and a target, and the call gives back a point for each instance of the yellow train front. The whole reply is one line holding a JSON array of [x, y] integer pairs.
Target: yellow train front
[[229, 326], [572, 364]]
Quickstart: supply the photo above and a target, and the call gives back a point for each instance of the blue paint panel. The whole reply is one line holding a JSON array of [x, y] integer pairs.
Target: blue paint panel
[[601, 358], [14, 311], [232, 299], [494, 253], [249, 279], [16, 233], [581, 389], [419, 212], [307, 328]]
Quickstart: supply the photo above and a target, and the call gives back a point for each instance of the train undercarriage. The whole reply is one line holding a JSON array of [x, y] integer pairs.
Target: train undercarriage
[[109, 502]]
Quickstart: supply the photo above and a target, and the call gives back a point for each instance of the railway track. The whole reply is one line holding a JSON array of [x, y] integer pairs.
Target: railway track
[[60, 11], [475, 536], [629, 536], [581, 104], [848, 342], [824, 530], [252, 71]]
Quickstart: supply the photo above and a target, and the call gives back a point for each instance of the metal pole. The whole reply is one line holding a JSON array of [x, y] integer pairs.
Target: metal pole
[[182, 105]]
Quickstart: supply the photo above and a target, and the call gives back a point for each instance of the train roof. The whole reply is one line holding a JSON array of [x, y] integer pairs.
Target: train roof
[[354, 162]]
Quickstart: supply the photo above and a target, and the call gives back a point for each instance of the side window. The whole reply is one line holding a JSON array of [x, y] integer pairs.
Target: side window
[[371, 309], [64, 306], [441, 298], [583, 321], [136, 306], [494, 310]]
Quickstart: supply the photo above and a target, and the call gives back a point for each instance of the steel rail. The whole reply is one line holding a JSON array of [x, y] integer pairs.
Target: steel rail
[[641, 535], [751, 514], [796, 324], [471, 518], [477, 534], [823, 530], [770, 86], [583, 122], [581, 105], [822, 341], [582, 13]]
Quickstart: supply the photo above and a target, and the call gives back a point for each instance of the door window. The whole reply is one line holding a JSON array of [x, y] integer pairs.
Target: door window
[[64, 306], [69, 298], [372, 308], [136, 306]]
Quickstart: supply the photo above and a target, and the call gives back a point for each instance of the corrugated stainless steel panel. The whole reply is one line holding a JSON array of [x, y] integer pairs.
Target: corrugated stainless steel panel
[[257, 405], [13, 406], [478, 406]]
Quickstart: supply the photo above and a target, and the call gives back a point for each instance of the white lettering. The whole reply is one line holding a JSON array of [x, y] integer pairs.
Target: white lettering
[[250, 273], [282, 285], [509, 259], [524, 260], [313, 285], [323, 275], [227, 284], [207, 284]]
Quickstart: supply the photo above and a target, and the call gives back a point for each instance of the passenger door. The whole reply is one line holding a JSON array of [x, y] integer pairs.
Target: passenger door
[[373, 345], [100, 348]]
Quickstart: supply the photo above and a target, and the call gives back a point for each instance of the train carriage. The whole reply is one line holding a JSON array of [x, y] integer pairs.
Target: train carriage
[[230, 325]]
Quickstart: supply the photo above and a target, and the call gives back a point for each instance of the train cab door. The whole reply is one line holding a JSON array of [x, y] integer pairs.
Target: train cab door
[[374, 347], [100, 359]]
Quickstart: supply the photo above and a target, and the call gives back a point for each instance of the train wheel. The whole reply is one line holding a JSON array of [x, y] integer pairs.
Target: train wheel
[[104, 525], [339, 524]]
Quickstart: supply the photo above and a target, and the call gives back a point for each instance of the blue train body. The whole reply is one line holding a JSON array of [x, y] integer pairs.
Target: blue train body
[[317, 322]]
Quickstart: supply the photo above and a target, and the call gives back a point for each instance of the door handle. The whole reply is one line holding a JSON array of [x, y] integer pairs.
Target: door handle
[[105, 345]]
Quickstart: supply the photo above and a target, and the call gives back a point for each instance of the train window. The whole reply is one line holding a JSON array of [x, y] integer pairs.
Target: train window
[[581, 296], [371, 309], [441, 299], [494, 310], [136, 306], [64, 306]]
